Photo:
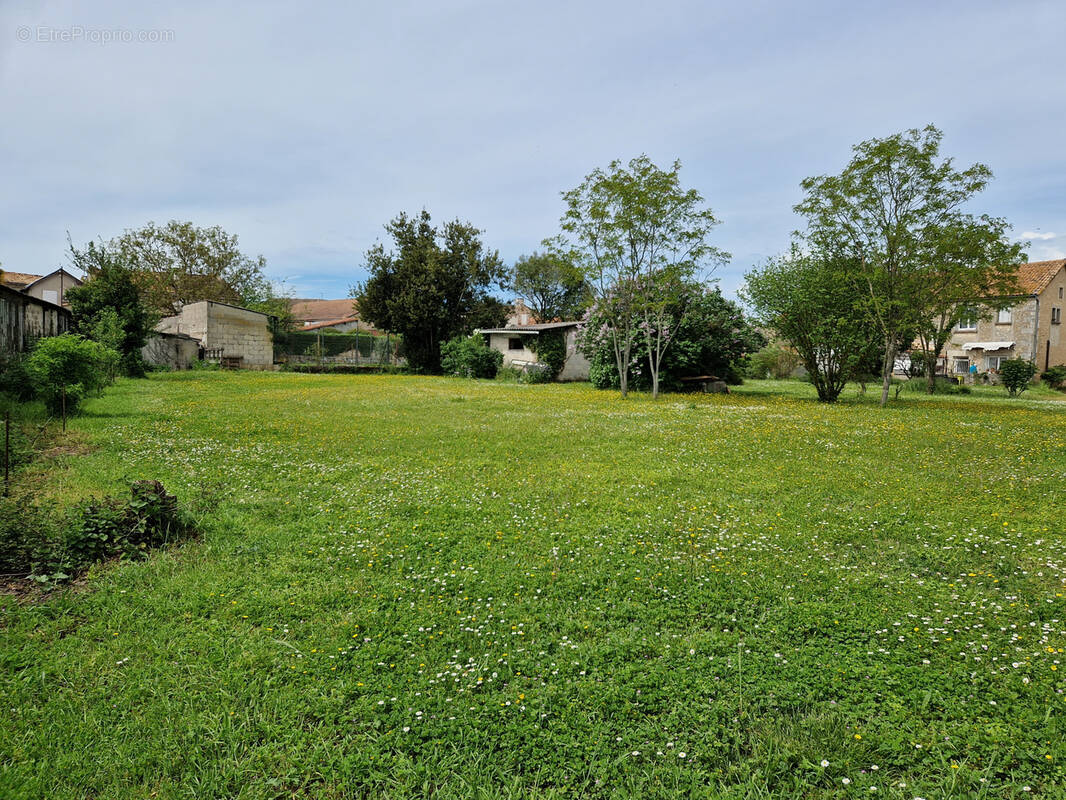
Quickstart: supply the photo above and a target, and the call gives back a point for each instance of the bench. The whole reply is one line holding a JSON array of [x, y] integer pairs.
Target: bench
[[711, 384]]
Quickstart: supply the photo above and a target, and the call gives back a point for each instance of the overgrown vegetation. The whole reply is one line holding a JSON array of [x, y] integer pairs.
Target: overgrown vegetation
[[62, 370], [51, 547], [470, 357]]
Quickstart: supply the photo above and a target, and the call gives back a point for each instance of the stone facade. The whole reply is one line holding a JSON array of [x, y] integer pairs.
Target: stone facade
[[1030, 329], [237, 332]]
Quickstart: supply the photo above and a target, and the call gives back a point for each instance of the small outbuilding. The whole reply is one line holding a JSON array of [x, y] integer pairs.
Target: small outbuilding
[[514, 342], [234, 336], [171, 350]]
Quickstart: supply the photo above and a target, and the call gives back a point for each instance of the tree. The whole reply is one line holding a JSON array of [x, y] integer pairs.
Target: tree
[[713, 339], [638, 237], [807, 299], [895, 212], [434, 285], [107, 308], [179, 263], [552, 287], [972, 272]]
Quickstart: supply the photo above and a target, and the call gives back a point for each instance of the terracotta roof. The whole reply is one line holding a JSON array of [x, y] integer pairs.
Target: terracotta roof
[[18, 280], [327, 323], [307, 310], [1035, 277]]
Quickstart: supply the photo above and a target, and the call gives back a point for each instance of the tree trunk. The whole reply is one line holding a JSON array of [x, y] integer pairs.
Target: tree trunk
[[886, 370]]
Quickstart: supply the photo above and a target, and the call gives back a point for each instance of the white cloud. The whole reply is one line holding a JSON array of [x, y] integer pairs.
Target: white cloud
[[1041, 236]]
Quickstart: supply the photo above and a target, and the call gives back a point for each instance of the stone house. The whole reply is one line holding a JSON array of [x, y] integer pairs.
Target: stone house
[[1031, 328], [238, 336], [513, 341]]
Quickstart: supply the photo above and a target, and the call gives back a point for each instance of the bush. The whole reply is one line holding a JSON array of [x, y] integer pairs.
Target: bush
[[1016, 374], [54, 549], [940, 386], [15, 380], [1055, 377], [775, 361], [63, 369], [470, 357], [550, 349]]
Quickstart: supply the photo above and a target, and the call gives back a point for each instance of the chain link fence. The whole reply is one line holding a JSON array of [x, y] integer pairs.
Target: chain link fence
[[313, 347]]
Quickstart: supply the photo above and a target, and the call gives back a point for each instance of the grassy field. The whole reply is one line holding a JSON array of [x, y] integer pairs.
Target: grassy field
[[418, 587]]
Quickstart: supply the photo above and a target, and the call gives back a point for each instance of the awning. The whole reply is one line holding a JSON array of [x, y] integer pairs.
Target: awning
[[988, 346]]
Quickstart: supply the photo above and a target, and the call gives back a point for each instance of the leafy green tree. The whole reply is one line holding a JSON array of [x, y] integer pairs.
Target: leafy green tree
[[180, 263], [638, 237], [895, 212], [713, 339], [808, 300], [107, 307], [552, 287], [432, 286], [973, 270]]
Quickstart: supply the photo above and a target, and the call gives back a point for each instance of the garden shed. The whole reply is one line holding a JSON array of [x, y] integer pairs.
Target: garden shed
[[237, 336], [514, 342]]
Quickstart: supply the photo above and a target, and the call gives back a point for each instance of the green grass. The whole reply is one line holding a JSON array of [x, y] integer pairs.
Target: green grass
[[414, 587]]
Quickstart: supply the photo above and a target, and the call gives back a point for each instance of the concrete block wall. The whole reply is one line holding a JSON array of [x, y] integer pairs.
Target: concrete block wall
[[240, 332]]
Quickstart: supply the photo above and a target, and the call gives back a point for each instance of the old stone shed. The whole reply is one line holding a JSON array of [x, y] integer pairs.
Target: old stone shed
[[229, 331]]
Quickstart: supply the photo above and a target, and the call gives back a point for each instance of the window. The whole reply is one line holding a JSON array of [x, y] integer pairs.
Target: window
[[1056, 315], [992, 362], [515, 343], [50, 296], [1060, 293], [967, 320], [961, 366], [1003, 316]]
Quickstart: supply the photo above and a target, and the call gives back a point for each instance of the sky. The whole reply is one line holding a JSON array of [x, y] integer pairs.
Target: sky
[[304, 127]]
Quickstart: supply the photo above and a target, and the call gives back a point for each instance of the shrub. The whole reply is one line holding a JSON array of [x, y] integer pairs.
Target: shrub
[[940, 386], [63, 369], [1016, 374], [109, 528], [775, 361], [470, 357], [15, 381], [1055, 377], [550, 348]]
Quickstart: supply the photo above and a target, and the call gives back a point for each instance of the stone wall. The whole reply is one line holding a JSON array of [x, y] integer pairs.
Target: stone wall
[[171, 350], [237, 332]]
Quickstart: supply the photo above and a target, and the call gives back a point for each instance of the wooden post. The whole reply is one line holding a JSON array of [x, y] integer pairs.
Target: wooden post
[[7, 452]]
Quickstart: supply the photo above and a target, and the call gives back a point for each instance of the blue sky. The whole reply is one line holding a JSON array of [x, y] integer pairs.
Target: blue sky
[[303, 128]]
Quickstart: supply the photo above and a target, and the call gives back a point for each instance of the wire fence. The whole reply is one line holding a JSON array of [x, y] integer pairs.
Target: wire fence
[[312, 347]]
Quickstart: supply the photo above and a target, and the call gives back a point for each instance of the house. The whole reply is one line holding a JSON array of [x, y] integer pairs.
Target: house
[[520, 314], [1031, 328], [51, 288], [24, 319], [318, 312], [234, 335], [513, 341]]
